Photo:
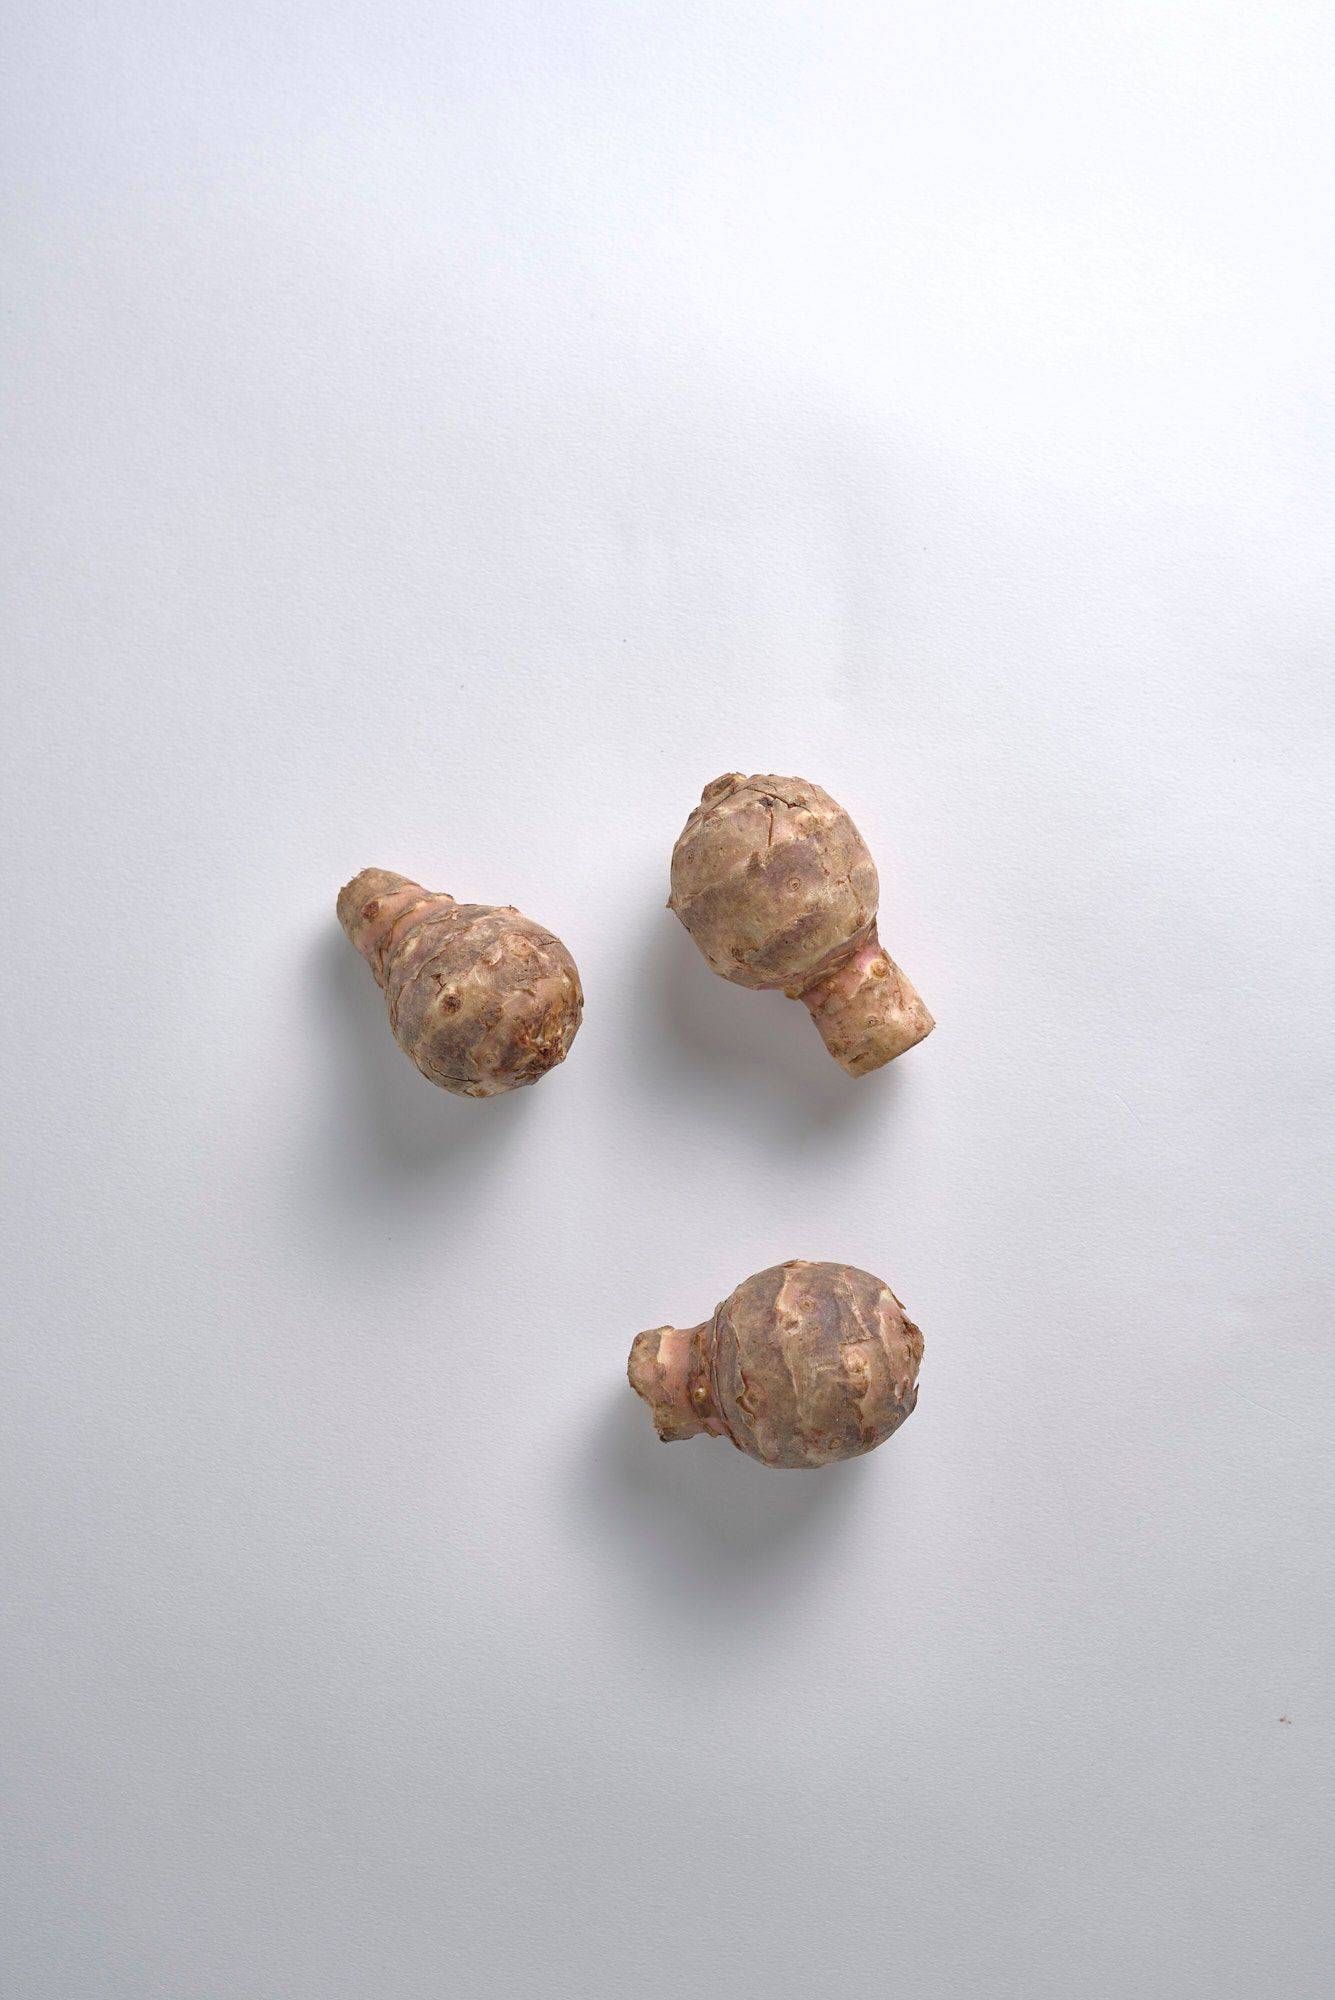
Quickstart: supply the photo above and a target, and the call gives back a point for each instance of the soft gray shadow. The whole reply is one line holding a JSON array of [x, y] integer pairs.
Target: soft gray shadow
[[748, 1056], [382, 1138], [700, 1533]]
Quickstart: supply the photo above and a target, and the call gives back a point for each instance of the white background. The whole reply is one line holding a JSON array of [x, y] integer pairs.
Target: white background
[[445, 436]]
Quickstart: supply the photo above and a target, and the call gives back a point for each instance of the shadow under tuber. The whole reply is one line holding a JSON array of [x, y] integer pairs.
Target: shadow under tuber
[[802, 1365], [775, 884], [482, 999]]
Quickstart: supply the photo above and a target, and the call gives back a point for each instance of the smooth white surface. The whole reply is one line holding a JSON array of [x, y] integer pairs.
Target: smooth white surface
[[445, 437]]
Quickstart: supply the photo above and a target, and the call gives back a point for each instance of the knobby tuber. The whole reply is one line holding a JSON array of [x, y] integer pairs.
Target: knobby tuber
[[774, 882], [482, 999], [801, 1365]]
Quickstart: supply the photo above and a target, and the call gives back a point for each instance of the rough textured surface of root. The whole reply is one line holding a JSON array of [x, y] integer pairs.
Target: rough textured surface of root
[[801, 1365], [774, 883], [481, 999]]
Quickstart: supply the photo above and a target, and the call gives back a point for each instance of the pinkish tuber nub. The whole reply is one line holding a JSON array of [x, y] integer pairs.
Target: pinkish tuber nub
[[482, 999], [774, 882], [801, 1365]]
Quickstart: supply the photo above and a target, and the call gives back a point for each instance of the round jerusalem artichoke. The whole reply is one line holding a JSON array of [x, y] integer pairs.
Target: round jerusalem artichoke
[[774, 882], [802, 1364], [482, 999]]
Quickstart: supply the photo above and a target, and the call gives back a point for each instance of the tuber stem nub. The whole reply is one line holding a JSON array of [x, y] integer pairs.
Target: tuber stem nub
[[669, 1368], [867, 1011], [371, 906]]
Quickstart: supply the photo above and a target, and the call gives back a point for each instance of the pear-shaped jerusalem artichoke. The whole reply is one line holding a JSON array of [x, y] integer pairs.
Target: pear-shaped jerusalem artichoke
[[801, 1365], [774, 882], [482, 999]]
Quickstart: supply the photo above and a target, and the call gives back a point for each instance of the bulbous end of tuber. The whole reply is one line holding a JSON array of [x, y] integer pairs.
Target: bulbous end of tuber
[[482, 999], [774, 882], [801, 1365]]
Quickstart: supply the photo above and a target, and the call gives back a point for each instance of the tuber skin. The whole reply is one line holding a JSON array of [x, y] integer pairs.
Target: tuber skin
[[482, 999], [801, 1365], [774, 882]]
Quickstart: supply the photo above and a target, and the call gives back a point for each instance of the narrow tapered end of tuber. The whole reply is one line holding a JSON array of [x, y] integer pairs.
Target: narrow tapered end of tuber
[[667, 1369], [867, 1011], [365, 905], [369, 907]]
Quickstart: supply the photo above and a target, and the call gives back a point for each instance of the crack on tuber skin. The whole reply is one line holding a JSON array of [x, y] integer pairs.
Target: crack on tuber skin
[[802, 1365], [776, 886], [482, 999]]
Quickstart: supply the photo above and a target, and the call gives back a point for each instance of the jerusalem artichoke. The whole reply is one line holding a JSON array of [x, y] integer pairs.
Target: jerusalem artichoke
[[482, 999], [801, 1365], [775, 884]]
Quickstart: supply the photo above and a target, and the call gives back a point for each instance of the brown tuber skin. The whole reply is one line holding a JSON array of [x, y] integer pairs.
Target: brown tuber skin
[[480, 998], [801, 1365], [774, 882]]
